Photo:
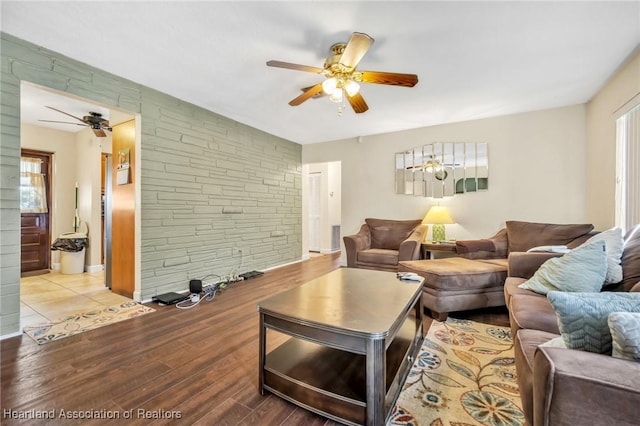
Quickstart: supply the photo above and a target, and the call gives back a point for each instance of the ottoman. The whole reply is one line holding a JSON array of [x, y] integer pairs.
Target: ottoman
[[459, 284]]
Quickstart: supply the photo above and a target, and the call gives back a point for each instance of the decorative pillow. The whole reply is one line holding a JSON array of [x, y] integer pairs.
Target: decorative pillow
[[613, 246], [581, 270], [556, 342], [625, 332], [582, 317]]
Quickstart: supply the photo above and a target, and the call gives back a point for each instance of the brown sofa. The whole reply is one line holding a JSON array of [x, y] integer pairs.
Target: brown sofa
[[476, 278], [382, 243], [566, 386]]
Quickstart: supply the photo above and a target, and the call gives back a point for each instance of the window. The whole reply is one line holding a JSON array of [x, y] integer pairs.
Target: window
[[33, 194], [628, 166]]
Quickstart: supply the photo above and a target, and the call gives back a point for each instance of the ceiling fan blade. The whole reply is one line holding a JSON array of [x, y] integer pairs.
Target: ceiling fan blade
[[99, 133], [66, 113], [306, 95], [317, 95], [392, 78], [356, 48], [357, 103], [63, 122], [297, 67]]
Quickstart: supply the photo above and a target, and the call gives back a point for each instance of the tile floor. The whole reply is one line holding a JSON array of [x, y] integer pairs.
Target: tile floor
[[49, 297]]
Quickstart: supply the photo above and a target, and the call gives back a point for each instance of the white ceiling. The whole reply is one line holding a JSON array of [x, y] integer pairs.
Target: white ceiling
[[474, 59]]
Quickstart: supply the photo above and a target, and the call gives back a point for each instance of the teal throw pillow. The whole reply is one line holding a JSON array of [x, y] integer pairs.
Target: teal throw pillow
[[614, 244], [625, 333], [582, 317], [581, 270]]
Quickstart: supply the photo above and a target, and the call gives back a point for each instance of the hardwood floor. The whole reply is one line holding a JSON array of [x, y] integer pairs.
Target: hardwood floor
[[196, 366]]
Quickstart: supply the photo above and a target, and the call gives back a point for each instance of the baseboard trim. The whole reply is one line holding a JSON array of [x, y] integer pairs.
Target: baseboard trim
[[94, 268], [328, 251], [137, 296], [10, 335], [55, 266], [284, 264]]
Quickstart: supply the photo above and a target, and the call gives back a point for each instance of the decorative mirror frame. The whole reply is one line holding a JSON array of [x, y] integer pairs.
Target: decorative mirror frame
[[442, 169]]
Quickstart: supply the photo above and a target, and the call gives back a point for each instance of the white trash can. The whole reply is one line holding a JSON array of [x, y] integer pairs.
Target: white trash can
[[72, 262]]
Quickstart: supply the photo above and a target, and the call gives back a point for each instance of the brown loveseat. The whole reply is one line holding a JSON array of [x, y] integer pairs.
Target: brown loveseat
[[382, 243], [561, 386], [476, 278]]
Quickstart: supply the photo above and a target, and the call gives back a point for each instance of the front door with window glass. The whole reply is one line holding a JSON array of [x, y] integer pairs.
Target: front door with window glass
[[35, 240]]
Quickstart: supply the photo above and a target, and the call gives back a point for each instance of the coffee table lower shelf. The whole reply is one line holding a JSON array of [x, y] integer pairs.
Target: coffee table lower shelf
[[332, 382]]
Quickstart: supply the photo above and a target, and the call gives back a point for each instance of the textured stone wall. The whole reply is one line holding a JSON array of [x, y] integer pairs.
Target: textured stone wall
[[217, 196]]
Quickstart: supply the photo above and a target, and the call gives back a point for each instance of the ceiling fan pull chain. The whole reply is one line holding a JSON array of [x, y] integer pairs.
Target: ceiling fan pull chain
[[343, 105]]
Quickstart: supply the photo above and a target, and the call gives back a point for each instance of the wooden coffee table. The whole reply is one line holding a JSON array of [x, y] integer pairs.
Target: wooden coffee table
[[354, 334]]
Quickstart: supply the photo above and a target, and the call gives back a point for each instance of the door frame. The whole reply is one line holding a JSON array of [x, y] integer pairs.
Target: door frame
[[315, 211]]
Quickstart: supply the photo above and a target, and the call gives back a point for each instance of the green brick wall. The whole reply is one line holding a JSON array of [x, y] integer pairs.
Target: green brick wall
[[210, 185]]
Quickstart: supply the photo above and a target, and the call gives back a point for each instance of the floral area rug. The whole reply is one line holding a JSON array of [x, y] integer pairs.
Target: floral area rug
[[464, 375], [85, 321]]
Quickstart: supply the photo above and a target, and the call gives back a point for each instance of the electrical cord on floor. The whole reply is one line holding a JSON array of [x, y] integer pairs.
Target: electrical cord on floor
[[192, 301], [208, 293]]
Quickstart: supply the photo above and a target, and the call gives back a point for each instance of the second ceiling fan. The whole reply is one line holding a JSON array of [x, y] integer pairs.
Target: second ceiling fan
[[94, 120], [342, 77]]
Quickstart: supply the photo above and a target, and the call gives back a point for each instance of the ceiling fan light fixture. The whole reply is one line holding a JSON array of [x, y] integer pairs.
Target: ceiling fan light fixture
[[351, 87], [329, 85], [341, 75], [432, 166], [336, 95]]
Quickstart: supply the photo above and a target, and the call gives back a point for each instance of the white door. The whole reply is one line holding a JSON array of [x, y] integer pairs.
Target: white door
[[314, 212]]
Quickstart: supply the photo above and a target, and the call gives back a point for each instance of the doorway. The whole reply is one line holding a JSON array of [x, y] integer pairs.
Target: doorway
[[75, 154], [315, 210], [322, 208]]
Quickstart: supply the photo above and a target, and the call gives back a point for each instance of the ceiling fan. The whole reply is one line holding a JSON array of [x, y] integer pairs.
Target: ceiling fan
[[342, 77], [93, 120]]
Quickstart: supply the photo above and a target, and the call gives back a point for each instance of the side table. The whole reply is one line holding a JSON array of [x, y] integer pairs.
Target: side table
[[429, 247]]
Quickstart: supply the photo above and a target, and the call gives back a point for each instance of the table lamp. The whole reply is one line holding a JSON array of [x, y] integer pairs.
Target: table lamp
[[438, 216]]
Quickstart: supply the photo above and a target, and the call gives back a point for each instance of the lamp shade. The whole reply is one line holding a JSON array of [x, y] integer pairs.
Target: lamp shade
[[438, 215]]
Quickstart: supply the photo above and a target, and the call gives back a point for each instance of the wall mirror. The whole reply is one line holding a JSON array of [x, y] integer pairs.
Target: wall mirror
[[443, 169]]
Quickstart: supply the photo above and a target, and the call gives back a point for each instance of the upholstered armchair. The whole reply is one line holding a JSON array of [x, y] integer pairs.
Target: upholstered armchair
[[382, 243]]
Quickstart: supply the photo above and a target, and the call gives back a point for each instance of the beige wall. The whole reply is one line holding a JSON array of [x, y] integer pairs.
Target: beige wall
[[89, 177], [601, 141], [76, 158], [537, 172]]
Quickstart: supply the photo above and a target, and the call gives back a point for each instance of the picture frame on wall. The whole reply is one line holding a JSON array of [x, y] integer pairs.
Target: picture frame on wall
[[122, 167]]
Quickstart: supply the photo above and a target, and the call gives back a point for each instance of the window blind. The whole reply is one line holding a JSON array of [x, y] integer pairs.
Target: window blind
[[628, 168]]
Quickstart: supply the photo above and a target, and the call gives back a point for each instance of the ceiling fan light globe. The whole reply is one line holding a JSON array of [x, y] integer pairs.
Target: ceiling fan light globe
[[351, 87], [329, 85], [336, 96]]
